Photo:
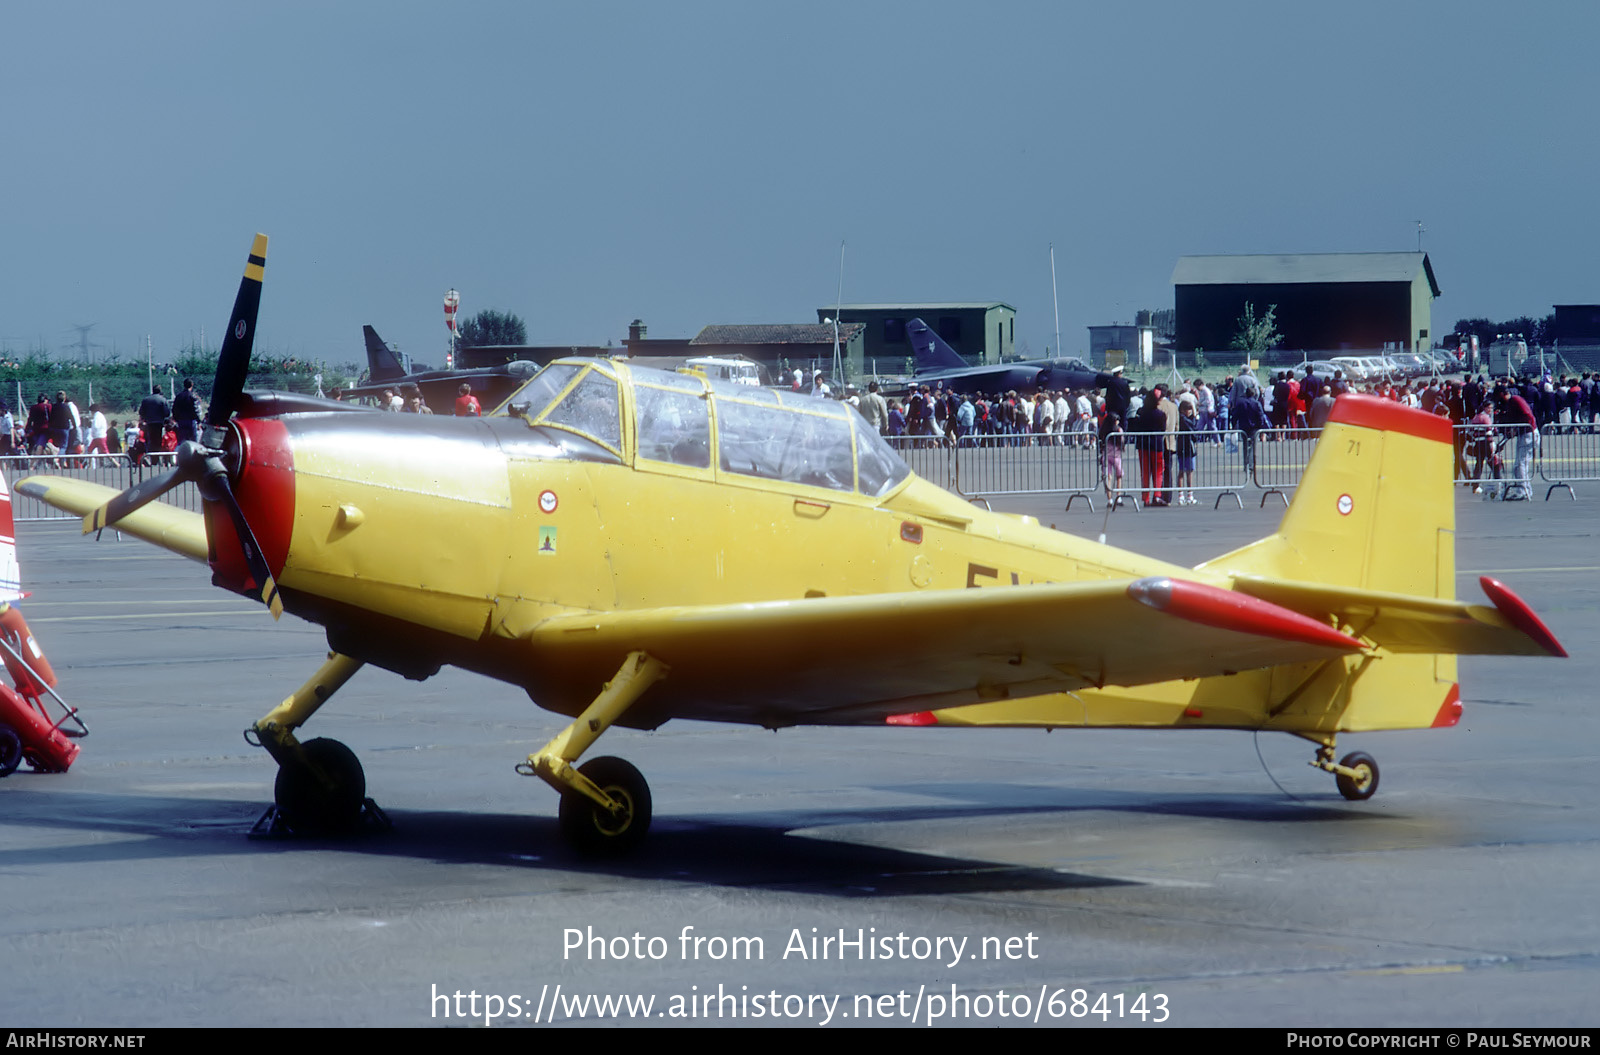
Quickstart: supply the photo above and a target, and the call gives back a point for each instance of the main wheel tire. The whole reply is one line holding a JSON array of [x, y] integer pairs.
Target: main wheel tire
[[10, 750], [307, 805], [1361, 787], [592, 830]]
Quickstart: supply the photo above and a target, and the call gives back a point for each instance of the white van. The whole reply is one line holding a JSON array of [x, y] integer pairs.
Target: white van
[[736, 371]]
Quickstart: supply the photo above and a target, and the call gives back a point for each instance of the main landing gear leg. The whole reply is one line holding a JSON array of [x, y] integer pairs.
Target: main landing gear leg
[[321, 789], [605, 805], [1356, 774]]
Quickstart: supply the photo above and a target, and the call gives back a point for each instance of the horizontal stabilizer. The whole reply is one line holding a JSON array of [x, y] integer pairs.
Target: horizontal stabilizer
[[1407, 623]]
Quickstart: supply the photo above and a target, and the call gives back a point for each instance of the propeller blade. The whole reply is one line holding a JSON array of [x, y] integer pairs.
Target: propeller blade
[[233, 361], [266, 585], [142, 493]]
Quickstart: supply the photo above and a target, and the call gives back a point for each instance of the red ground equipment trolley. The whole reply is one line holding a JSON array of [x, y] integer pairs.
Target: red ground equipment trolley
[[27, 732]]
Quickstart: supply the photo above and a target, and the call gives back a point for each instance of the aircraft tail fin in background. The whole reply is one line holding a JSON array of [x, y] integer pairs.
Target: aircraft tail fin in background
[[382, 364], [929, 350]]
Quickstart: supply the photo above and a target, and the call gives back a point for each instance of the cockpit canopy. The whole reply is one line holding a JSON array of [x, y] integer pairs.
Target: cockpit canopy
[[690, 421]]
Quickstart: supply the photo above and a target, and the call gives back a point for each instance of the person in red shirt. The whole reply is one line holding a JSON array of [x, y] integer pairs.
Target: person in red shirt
[[1514, 417], [467, 403]]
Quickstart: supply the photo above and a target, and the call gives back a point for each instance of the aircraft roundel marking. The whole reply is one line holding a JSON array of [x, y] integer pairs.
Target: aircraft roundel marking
[[548, 501], [1345, 505], [238, 329]]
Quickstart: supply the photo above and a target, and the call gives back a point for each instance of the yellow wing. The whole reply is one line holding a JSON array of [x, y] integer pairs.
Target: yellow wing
[[167, 526], [849, 659]]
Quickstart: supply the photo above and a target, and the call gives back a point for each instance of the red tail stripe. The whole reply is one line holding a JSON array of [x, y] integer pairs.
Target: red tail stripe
[[1450, 710], [1386, 415]]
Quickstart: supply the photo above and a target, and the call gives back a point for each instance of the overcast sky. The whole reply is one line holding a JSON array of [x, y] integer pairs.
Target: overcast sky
[[692, 163]]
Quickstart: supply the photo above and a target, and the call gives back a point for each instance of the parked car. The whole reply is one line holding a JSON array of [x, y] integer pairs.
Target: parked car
[[1355, 367], [1322, 371], [1446, 361], [1412, 364]]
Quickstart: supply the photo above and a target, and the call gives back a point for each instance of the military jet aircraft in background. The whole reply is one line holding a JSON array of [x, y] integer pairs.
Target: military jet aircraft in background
[[491, 384], [938, 363], [621, 544]]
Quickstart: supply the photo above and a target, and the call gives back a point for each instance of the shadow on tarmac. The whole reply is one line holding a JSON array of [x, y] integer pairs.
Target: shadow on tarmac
[[780, 850]]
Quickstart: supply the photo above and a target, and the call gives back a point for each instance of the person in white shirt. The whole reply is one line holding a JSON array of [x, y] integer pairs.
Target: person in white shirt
[[76, 439], [1086, 415], [97, 430]]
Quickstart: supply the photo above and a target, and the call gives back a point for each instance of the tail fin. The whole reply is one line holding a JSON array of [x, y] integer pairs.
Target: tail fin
[[1375, 511], [10, 572], [930, 352], [1375, 508], [382, 364]]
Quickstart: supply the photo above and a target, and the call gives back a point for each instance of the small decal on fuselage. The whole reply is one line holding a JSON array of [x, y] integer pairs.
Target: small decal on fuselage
[[1345, 505], [547, 541], [548, 501]]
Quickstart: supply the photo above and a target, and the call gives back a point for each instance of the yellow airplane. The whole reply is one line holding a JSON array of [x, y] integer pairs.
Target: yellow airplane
[[632, 546]]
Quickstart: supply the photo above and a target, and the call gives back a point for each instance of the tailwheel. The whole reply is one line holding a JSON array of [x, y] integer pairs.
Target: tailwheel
[[593, 829], [1360, 786], [324, 794]]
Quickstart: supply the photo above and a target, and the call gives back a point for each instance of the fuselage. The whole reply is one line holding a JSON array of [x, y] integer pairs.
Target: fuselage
[[421, 541]]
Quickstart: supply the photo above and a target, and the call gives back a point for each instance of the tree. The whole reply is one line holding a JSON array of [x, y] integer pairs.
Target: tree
[[1534, 331], [1485, 329], [1257, 335], [490, 327]]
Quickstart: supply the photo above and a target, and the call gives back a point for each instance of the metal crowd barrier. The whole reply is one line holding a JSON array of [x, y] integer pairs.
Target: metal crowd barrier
[[1485, 457], [1219, 469], [928, 457], [1273, 461], [1024, 465], [116, 471], [1278, 459], [1568, 454]]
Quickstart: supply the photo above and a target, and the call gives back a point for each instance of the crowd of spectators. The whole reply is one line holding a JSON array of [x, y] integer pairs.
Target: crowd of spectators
[[1165, 421]]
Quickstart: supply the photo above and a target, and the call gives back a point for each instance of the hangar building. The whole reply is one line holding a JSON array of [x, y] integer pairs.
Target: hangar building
[[1577, 323], [1325, 301], [982, 332]]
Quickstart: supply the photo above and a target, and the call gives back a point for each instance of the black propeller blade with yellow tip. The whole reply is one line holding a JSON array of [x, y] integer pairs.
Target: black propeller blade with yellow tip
[[215, 487], [145, 491], [203, 462]]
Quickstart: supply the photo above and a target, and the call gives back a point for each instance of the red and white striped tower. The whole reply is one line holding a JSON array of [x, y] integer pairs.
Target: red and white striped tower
[[452, 301]]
